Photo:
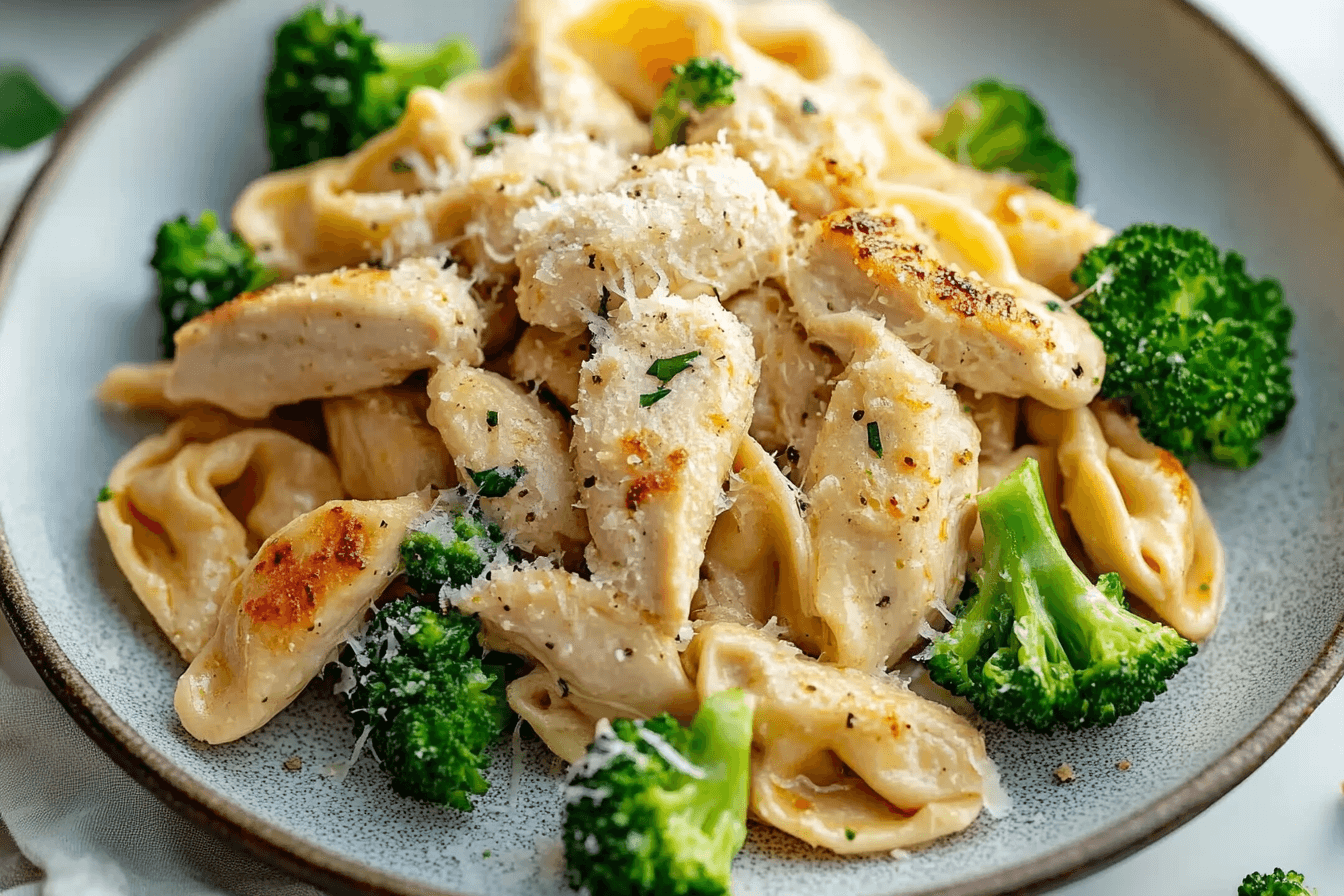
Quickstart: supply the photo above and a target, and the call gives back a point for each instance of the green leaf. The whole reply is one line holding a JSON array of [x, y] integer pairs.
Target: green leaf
[[482, 143], [105, 494], [27, 112], [651, 398], [875, 438], [666, 368], [496, 483], [491, 418]]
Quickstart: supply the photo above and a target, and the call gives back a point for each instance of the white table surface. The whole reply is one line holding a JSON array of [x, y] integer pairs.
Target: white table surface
[[1290, 812]]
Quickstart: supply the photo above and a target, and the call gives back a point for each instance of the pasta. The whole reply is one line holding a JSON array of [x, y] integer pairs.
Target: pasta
[[720, 410]]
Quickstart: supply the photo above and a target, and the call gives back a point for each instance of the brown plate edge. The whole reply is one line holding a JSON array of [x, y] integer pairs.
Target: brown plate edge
[[337, 873]]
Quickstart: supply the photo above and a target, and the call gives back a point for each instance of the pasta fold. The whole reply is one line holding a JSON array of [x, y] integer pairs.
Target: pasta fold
[[302, 595], [384, 445], [842, 759], [189, 507], [1137, 512]]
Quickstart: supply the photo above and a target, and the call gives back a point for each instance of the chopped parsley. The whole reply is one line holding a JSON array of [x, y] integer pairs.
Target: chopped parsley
[[875, 438], [27, 112], [105, 494], [482, 143], [651, 398], [496, 483], [849, 834], [810, 108], [666, 368], [399, 166], [553, 191], [1053, 305], [491, 418]]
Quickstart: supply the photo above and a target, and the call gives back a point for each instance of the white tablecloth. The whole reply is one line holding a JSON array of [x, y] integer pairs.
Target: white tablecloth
[[93, 831]]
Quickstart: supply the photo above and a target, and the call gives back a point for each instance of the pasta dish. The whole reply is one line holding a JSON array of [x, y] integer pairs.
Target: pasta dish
[[665, 400]]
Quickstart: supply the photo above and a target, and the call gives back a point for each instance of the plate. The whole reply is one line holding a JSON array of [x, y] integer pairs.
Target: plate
[[1171, 121]]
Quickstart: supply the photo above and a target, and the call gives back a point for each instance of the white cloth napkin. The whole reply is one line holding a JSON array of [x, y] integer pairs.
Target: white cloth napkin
[[72, 823]]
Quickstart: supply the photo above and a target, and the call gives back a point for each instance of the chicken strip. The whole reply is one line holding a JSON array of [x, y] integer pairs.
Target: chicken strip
[[302, 595], [891, 488], [840, 758], [663, 404], [690, 219], [1012, 342], [325, 336], [488, 422]]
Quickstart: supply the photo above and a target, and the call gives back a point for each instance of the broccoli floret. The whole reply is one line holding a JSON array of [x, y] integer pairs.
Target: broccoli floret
[[201, 266], [431, 705], [697, 84], [334, 84], [995, 126], [655, 808], [1197, 345], [1280, 883], [452, 549], [1038, 645]]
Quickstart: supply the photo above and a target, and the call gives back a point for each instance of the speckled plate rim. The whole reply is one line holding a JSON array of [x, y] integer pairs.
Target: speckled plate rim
[[338, 873]]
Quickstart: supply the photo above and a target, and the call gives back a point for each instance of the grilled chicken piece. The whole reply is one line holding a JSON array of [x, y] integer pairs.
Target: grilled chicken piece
[[797, 375], [692, 219], [843, 759], [1011, 342], [891, 488], [383, 443], [325, 336], [651, 453], [302, 595], [603, 653], [488, 422]]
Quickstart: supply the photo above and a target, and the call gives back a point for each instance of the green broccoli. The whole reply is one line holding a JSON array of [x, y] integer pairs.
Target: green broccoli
[[429, 703], [655, 808], [1280, 883], [201, 266], [452, 549], [995, 126], [1196, 344], [1038, 645], [333, 84], [697, 83]]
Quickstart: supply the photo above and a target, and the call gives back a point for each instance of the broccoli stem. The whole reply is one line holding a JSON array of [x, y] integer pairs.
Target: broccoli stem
[[721, 745], [406, 66]]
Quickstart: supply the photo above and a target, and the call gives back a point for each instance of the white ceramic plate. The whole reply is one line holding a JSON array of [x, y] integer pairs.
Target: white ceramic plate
[[1171, 121]]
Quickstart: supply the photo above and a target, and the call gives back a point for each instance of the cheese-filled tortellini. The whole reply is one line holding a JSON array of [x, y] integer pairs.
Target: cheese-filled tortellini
[[188, 508], [600, 650], [325, 336], [758, 560], [797, 375], [663, 404], [1137, 512], [1005, 339], [384, 445], [303, 593], [542, 702], [840, 758], [549, 362], [890, 489], [689, 220], [488, 422]]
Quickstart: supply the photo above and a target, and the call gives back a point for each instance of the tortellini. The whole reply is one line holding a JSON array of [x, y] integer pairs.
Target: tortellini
[[188, 508], [841, 758], [1137, 512], [384, 445], [303, 594]]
